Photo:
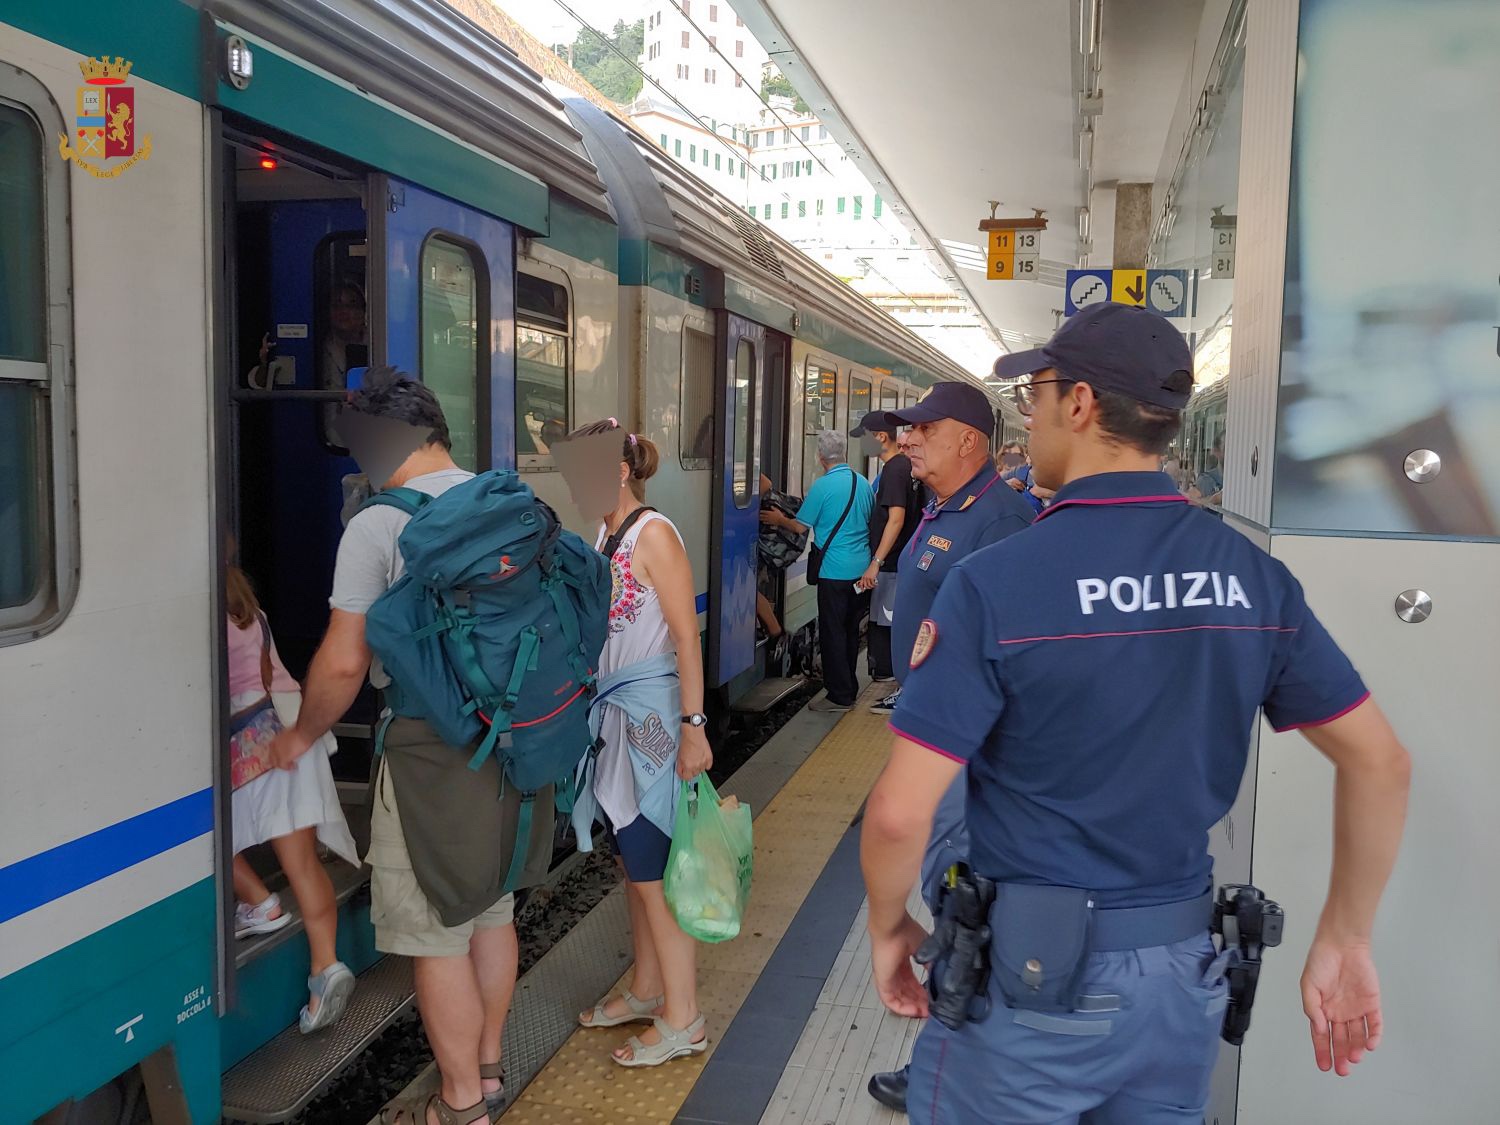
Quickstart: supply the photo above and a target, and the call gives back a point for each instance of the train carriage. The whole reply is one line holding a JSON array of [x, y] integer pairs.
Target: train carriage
[[303, 188]]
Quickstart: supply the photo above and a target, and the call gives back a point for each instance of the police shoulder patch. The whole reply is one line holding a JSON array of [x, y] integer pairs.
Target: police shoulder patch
[[926, 641]]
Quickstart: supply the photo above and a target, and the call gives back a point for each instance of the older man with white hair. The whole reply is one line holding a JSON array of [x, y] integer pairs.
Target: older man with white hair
[[837, 509]]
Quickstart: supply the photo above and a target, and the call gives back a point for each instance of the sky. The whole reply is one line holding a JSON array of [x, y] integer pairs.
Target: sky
[[550, 24]]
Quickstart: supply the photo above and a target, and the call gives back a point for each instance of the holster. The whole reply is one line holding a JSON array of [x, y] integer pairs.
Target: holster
[[1039, 945]]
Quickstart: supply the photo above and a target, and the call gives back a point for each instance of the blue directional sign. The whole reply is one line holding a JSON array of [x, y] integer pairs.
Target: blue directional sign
[[1087, 287], [1166, 292]]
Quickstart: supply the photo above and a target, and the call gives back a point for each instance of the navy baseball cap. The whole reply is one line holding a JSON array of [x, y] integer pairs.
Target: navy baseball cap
[[874, 423], [1114, 347], [959, 401]]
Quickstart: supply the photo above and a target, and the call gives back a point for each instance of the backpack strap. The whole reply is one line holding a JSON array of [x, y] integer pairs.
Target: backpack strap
[[553, 582], [522, 845], [612, 544], [409, 500]]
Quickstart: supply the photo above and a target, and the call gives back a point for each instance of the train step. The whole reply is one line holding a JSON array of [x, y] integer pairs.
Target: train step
[[278, 1081], [768, 693], [347, 882]]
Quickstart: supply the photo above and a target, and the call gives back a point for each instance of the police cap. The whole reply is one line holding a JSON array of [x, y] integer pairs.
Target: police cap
[[1114, 347], [959, 401]]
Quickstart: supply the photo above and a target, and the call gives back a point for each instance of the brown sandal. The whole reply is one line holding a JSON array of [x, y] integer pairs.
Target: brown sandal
[[496, 1100], [416, 1112]]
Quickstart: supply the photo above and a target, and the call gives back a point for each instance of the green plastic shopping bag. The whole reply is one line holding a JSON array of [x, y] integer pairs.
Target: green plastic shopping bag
[[707, 883]]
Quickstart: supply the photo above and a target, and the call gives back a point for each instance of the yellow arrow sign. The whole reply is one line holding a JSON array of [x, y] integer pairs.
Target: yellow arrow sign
[[1128, 287]]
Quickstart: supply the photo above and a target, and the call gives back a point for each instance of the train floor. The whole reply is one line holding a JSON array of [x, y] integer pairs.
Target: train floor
[[795, 1028]]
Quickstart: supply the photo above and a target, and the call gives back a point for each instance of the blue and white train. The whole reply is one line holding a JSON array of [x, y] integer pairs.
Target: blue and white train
[[356, 181]]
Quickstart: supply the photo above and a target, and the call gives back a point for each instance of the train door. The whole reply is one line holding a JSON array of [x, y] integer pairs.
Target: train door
[[774, 421], [328, 269], [446, 294], [740, 368]]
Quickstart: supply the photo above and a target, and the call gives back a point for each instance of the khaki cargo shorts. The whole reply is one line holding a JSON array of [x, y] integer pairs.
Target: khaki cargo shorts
[[405, 923]]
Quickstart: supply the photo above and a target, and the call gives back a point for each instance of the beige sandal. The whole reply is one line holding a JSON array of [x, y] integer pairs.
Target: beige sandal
[[675, 1044], [636, 1011], [416, 1112]]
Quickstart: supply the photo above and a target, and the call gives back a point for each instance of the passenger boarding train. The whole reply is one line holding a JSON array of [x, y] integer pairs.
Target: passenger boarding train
[[336, 183]]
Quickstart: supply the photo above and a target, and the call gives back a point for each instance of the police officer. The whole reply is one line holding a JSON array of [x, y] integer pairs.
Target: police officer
[[971, 507], [1094, 777], [949, 448]]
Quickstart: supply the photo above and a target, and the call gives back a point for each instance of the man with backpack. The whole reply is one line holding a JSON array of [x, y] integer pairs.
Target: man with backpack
[[446, 822]]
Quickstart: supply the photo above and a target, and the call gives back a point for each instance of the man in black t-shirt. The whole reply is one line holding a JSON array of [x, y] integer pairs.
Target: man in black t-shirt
[[898, 508]]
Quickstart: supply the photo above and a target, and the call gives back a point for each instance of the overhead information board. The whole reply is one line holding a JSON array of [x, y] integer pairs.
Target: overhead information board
[[1162, 291], [1013, 255]]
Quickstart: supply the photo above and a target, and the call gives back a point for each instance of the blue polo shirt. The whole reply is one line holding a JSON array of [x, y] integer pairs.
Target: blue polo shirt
[[846, 558], [983, 511], [1104, 702]]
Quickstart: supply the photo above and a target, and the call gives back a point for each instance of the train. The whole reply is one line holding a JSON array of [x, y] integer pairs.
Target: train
[[215, 214]]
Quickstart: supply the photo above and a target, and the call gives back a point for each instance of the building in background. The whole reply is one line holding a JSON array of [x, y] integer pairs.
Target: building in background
[[706, 58], [713, 102]]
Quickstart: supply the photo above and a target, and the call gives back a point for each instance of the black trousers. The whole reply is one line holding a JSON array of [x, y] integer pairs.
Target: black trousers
[[840, 608], [878, 637]]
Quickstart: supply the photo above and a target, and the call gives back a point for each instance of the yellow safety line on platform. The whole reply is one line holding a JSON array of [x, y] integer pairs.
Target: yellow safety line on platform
[[794, 837]]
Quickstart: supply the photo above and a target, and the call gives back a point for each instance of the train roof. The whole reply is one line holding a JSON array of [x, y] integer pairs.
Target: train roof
[[656, 201], [440, 67]]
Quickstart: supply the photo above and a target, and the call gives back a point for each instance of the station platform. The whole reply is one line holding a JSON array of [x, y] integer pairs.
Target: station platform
[[795, 1027]]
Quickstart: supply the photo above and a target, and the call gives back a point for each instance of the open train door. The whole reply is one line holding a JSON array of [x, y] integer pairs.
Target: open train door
[[739, 371], [444, 305]]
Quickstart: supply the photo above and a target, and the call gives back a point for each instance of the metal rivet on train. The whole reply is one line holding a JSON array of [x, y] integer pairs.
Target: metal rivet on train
[[1413, 606], [1422, 465]]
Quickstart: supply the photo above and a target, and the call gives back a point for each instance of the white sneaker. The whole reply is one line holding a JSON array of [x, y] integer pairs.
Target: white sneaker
[[266, 918], [886, 705]]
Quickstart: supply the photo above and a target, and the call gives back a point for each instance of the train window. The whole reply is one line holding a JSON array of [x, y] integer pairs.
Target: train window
[[340, 320], [859, 406], [890, 397], [744, 428], [911, 398], [542, 337], [450, 332], [697, 434], [819, 392], [37, 532]]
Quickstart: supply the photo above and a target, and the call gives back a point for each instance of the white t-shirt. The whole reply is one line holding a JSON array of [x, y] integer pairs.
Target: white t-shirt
[[369, 562]]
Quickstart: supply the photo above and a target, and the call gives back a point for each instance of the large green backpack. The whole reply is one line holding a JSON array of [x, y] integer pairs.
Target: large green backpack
[[493, 634]]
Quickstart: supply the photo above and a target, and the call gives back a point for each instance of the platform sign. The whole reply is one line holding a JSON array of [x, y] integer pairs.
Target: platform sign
[[1166, 292], [1128, 287], [1013, 254], [1085, 288], [1224, 231]]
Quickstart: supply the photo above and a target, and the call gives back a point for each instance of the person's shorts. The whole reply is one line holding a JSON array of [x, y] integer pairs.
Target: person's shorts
[[405, 923], [642, 847]]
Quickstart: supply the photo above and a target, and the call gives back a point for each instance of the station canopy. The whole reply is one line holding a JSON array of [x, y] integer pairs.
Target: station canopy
[[950, 105]]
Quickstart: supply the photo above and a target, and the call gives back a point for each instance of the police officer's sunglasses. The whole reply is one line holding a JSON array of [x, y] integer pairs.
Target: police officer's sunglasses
[[1024, 395]]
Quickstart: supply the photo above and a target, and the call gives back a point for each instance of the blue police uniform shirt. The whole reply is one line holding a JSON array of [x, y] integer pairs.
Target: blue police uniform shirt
[[982, 512], [846, 558], [1104, 701]]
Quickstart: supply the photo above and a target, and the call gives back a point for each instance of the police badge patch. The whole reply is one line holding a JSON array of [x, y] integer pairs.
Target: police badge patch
[[926, 640]]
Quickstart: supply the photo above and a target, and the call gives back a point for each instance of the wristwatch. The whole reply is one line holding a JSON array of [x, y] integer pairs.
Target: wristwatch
[[696, 719]]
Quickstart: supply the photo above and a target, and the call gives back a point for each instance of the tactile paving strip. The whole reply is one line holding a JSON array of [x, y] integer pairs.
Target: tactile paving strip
[[794, 835]]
